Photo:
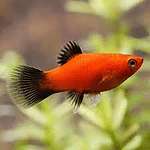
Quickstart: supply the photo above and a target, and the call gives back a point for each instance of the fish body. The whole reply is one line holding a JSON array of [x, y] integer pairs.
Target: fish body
[[79, 73], [91, 73]]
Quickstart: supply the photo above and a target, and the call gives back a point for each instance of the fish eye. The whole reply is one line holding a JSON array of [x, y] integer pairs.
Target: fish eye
[[132, 63]]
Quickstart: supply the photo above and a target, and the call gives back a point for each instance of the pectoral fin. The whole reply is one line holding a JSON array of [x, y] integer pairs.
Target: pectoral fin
[[94, 99]]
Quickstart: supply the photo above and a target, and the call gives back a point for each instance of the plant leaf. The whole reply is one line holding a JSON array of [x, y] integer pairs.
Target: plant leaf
[[119, 109]]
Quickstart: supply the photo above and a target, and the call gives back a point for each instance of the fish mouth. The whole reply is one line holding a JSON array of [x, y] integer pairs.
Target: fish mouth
[[142, 59]]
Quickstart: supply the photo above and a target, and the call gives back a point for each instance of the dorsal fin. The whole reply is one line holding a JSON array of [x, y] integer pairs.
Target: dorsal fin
[[70, 50]]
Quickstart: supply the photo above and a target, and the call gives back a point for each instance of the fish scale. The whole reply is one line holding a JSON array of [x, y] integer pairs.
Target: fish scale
[[78, 73]]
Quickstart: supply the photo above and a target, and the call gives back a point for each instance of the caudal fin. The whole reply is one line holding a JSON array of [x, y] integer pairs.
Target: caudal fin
[[24, 86]]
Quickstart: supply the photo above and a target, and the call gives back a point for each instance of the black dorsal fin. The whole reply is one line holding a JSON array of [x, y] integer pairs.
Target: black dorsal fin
[[70, 49]]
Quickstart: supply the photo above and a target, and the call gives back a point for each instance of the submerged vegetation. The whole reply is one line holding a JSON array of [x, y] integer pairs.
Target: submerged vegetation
[[116, 123]]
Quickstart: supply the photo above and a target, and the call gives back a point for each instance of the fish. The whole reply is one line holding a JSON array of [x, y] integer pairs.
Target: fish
[[77, 74]]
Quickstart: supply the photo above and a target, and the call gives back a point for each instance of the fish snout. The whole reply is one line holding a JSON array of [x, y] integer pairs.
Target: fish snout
[[142, 59]]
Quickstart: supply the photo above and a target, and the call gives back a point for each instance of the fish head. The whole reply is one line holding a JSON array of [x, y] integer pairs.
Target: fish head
[[133, 64], [128, 65]]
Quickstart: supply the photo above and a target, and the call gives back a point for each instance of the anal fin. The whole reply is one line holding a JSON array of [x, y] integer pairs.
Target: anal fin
[[75, 98]]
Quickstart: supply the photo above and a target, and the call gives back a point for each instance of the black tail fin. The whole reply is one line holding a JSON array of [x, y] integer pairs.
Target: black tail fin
[[23, 86]]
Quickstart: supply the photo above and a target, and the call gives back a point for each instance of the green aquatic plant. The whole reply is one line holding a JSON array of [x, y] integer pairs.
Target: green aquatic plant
[[110, 125]]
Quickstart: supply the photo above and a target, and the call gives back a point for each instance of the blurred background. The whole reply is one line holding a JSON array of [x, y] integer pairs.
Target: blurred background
[[33, 32]]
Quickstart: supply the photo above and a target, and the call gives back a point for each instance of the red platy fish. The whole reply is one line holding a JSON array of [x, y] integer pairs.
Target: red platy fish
[[79, 73]]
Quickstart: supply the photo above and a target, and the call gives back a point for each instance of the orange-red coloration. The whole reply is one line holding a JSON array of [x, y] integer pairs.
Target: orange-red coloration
[[79, 73], [92, 73]]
